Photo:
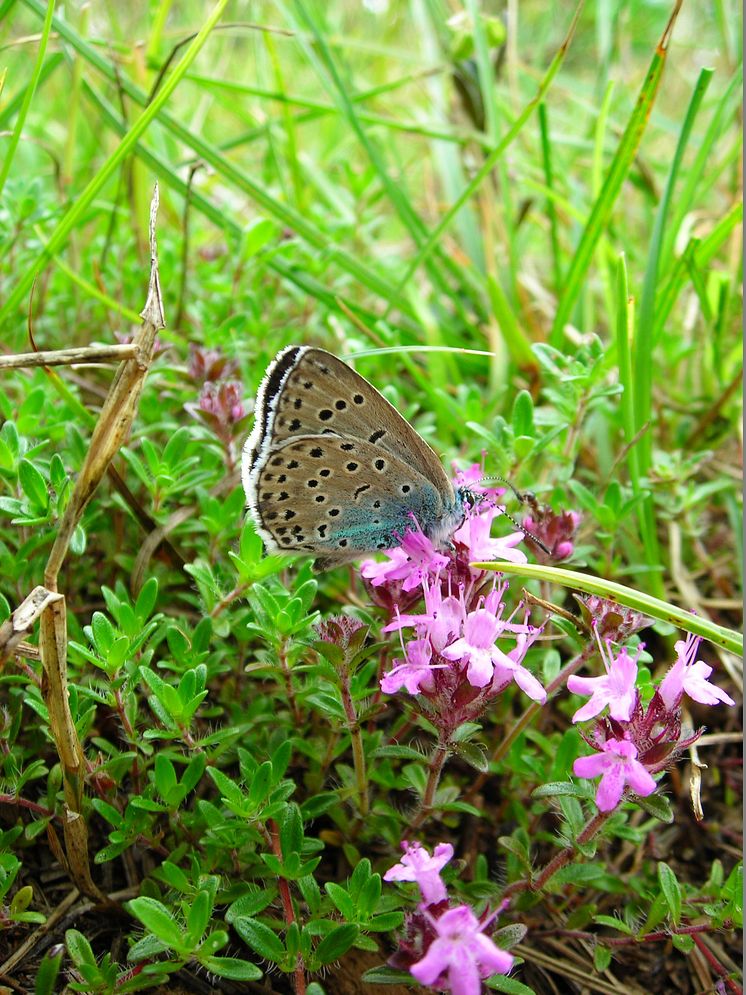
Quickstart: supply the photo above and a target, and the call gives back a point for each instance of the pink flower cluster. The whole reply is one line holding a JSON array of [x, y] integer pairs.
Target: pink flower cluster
[[453, 664], [220, 405], [635, 742], [443, 946]]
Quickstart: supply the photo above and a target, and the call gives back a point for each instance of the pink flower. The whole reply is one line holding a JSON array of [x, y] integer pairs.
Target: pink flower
[[555, 531], [618, 766], [477, 647], [412, 563], [223, 401], [515, 671], [209, 364], [461, 955], [440, 621], [474, 533], [417, 865], [415, 673], [688, 677], [616, 689], [485, 660]]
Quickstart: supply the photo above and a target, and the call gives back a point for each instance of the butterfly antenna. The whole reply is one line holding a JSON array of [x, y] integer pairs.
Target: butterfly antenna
[[529, 535], [526, 498], [523, 498]]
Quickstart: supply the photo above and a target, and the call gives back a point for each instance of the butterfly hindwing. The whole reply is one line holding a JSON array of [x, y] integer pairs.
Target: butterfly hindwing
[[339, 496]]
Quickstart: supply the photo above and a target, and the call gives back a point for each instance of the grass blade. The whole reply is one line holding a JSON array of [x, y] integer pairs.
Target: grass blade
[[28, 96], [77, 210], [285, 214], [618, 171], [729, 639], [489, 163]]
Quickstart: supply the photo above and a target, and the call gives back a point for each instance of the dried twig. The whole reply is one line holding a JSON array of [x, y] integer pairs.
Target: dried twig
[[110, 433], [20, 622], [66, 357]]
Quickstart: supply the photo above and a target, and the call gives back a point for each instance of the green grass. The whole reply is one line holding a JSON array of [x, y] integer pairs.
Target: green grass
[[530, 242]]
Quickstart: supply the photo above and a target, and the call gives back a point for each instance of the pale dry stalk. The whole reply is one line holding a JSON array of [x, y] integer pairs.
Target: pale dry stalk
[[110, 433]]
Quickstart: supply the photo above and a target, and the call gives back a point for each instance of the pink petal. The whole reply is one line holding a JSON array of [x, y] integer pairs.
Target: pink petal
[[639, 779], [528, 683], [442, 854], [583, 685], [479, 671], [433, 964], [491, 957], [463, 976], [700, 689], [457, 650], [589, 709], [590, 766], [610, 789]]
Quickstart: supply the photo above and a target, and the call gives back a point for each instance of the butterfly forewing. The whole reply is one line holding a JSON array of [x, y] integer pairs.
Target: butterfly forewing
[[311, 392], [332, 469]]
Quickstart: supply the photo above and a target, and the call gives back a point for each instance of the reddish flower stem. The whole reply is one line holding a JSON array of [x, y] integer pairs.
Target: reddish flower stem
[[716, 966], [25, 803], [299, 976], [559, 861]]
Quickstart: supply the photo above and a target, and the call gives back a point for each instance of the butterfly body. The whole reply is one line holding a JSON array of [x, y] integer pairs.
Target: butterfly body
[[332, 469]]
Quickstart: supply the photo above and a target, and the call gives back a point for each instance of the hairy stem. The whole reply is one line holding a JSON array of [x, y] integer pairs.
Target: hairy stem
[[435, 769], [356, 741], [299, 975], [559, 861]]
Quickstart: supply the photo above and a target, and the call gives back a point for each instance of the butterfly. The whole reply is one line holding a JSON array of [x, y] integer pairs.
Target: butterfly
[[332, 470]]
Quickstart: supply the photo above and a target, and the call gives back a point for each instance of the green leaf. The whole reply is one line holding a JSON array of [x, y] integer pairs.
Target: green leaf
[[341, 898], [291, 831], [21, 901], [146, 599], [232, 967], [260, 938], [79, 948], [474, 755], [199, 916], [658, 806], [683, 943], [386, 976], [165, 776], [556, 789], [48, 972], [249, 905], [671, 890], [336, 943], [34, 486], [601, 957], [523, 415], [576, 874], [614, 923], [159, 920], [502, 983]]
